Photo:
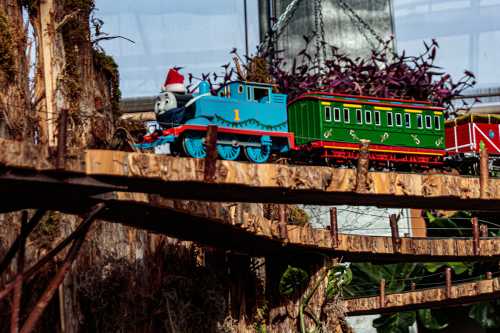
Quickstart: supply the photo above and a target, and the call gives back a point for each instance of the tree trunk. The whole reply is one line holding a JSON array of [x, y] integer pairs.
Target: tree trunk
[[15, 117], [72, 75]]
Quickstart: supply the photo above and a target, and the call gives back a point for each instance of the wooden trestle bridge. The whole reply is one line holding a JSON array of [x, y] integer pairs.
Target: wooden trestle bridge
[[149, 191]]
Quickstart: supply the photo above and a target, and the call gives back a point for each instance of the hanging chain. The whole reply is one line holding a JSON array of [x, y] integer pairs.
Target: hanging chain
[[361, 24], [322, 28], [280, 25], [319, 31]]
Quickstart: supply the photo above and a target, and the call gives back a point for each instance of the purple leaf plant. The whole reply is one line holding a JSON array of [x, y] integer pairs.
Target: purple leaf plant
[[383, 74]]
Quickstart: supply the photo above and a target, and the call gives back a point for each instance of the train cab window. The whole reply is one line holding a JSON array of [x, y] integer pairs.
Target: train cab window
[[347, 118], [261, 94], [437, 123], [389, 119], [240, 89], [359, 116], [407, 120], [420, 123], [336, 114], [377, 118], [368, 117], [328, 113], [399, 119], [428, 122]]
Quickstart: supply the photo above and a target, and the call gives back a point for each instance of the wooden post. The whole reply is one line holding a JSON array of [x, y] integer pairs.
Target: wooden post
[[382, 294], [448, 282], [50, 75], [334, 231], [489, 276], [61, 139], [396, 240], [18, 284], [362, 168], [475, 236], [413, 286], [282, 225], [483, 230], [484, 172], [211, 157]]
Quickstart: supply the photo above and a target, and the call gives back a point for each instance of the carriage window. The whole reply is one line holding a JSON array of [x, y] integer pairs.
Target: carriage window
[[368, 117], [328, 113], [346, 116], [419, 121], [407, 120], [399, 119], [377, 118], [240, 89], [437, 122], [389, 119], [359, 116], [428, 122], [336, 114]]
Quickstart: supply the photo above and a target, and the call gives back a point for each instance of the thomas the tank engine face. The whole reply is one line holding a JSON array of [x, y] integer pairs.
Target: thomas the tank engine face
[[165, 102]]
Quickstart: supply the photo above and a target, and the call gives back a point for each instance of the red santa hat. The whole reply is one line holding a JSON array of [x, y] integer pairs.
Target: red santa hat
[[174, 82]]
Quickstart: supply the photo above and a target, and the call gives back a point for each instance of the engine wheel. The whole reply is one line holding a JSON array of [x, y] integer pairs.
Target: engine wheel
[[193, 145], [258, 154], [229, 152]]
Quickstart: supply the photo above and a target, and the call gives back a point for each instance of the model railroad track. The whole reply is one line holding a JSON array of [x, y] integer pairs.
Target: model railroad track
[[450, 295], [101, 171]]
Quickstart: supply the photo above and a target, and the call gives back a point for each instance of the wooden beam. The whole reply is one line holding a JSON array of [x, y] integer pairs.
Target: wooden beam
[[460, 294], [254, 235], [245, 182]]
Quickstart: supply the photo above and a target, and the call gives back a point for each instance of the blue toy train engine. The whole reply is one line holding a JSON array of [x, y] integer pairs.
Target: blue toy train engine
[[251, 121]]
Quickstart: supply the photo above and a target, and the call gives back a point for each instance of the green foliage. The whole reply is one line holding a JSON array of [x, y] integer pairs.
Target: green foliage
[[429, 321], [297, 216], [109, 68], [395, 323], [338, 277], [458, 268], [7, 63], [486, 314], [293, 280]]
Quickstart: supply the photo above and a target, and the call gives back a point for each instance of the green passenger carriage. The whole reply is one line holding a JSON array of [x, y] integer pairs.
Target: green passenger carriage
[[331, 126]]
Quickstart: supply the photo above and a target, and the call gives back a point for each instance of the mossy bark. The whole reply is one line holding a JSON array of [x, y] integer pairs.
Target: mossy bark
[[16, 118], [73, 75]]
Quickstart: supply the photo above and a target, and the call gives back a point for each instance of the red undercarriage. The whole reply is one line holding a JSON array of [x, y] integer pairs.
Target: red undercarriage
[[342, 152], [338, 152]]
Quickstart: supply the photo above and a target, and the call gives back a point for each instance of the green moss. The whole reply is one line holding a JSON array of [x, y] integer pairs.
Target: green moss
[[298, 216], [109, 68], [7, 63]]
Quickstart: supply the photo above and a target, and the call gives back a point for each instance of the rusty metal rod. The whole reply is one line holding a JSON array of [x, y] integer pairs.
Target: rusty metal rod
[[448, 282], [475, 236], [15, 245], [484, 173], [334, 229], [73, 252], [396, 240], [55, 251], [211, 157], [61, 139], [382, 294], [18, 284]]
